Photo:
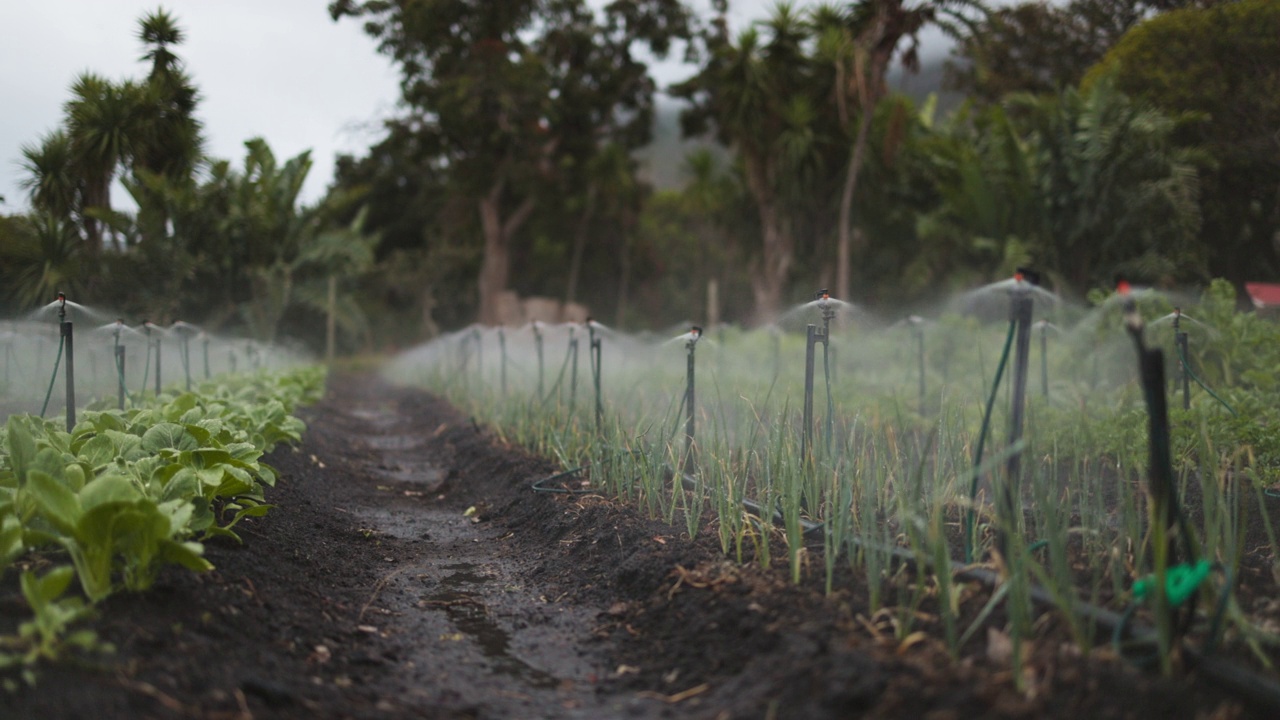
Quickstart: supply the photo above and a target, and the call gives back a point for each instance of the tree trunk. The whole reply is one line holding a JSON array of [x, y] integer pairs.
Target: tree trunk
[[579, 245], [844, 245], [495, 268], [770, 276]]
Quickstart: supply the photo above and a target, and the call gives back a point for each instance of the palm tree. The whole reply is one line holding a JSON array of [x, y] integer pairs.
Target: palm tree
[[42, 258], [51, 182], [103, 121], [169, 142], [758, 94], [860, 42]]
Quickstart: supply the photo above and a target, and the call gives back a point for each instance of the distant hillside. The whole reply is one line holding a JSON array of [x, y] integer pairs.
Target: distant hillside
[[662, 161]]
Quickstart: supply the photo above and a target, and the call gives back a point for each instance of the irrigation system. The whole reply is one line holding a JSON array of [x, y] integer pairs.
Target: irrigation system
[[109, 361], [899, 463]]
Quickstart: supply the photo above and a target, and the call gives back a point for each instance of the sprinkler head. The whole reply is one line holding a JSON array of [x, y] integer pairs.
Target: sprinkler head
[[1025, 274], [1122, 285]]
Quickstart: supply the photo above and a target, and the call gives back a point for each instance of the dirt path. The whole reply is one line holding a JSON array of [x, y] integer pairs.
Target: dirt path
[[408, 571]]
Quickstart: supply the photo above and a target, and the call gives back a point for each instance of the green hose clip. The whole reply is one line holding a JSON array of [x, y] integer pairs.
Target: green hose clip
[[1180, 582]]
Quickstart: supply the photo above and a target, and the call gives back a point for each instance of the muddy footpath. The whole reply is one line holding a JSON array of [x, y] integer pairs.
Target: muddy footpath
[[408, 571]]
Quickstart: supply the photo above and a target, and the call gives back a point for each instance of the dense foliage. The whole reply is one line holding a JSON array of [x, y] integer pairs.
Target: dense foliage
[[1099, 136], [129, 491]]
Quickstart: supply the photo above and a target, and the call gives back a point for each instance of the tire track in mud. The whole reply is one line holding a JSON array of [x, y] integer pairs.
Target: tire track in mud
[[470, 632]]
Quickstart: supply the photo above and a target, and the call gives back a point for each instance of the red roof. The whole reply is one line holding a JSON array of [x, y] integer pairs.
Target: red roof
[[1264, 295]]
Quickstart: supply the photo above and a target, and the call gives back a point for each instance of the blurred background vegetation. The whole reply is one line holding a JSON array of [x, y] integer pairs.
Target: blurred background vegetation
[[536, 153]]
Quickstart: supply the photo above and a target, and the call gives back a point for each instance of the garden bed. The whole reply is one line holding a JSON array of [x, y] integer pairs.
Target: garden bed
[[408, 571]]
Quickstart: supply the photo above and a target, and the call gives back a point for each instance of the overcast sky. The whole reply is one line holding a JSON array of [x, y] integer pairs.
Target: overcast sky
[[280, 69]]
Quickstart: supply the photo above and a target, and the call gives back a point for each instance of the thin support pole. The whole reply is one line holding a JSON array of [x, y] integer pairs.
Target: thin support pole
[[157, 366], [597, 356], [1183, 359], [806, 432], [68, 339], [573, 371], [120, 386], [689, 465], [1044, 358], [186, 359], [537, 344]]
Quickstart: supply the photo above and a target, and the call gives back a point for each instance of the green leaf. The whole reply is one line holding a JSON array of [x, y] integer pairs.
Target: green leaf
[[184, 484], [39, 592], [99, 451], [189, 555], [55, 501], [22, 447], [11, 545], [168, 435], [108, 489]]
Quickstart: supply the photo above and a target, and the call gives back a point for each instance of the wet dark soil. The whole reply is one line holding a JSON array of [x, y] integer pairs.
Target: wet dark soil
[[408, 571]]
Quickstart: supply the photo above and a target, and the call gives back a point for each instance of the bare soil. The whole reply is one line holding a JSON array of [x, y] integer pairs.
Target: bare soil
[[408, 571]]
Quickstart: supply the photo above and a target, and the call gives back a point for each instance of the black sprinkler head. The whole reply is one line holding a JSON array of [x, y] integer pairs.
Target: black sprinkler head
[[1029, 275]]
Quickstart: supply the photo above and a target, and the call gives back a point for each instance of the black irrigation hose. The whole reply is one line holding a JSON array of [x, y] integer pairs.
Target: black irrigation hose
[[1261, 691], [538, 485], [1186, 367], [555, 387], [982, 440]]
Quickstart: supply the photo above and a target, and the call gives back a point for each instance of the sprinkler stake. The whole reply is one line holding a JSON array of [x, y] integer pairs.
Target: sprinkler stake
[[68, 339], [573, 370], [1180, 340], [1021, 307], [120, 388], [595, 353], [690, 345]]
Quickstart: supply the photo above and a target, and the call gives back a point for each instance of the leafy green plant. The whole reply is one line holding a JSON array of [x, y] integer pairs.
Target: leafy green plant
[[47, 636]]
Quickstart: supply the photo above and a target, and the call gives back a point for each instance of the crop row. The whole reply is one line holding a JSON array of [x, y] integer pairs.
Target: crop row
[[891, 463], [129, 491]]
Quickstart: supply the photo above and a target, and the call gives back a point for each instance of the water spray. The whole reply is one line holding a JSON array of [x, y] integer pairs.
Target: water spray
[[502, 360], [917, 329]]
